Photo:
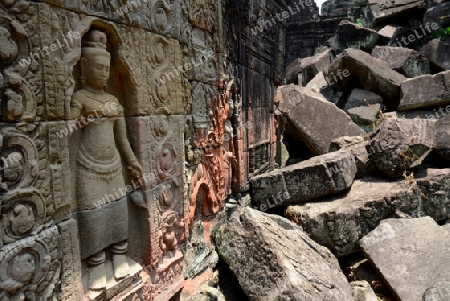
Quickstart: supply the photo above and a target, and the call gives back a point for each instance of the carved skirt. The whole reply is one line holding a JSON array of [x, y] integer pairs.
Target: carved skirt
[[102, 227], [102, 203]]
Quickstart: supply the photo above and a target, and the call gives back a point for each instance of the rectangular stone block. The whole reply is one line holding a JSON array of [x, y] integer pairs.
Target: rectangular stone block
[[159, 145], [304, 181]]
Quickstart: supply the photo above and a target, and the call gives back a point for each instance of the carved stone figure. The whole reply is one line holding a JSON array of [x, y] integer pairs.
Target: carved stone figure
[[100, 187]]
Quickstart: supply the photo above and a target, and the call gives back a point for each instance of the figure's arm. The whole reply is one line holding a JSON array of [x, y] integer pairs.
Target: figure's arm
[[120, 137], [75, 107]]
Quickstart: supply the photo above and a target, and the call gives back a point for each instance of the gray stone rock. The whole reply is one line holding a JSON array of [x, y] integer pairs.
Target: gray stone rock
[[357, 69], [308, 67], [362, 291], [400, 144], [363, 106], [435, 14], [442, 137], [344, 142], [307, 180], [362, 98], [305, 110], [339, 222], [350, 35], [293, 70], [425, 91], [198, 255], [411, 254], [312, 65], [365, 116], [274, 259], [388, 31], [403, 60], [438, 53], [380, 11], [319, 84], [438, 292]]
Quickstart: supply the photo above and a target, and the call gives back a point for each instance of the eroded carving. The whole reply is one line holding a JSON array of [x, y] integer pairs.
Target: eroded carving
[[202, 13], [30, 268]]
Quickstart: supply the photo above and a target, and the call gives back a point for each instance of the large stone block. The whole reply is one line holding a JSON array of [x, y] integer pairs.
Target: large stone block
[[411, 255], [401, 144], [339, 222], [425, 91], [438, 53], [272, 257], [350, 35], [357, 69], [403, 60], [319, 176], [380, 11], [442, 136], [158, 142], [305, 110]]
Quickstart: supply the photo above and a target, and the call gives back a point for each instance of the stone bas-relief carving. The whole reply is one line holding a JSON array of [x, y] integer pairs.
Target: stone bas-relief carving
[[30, 268], [102, 225], [214, 149]]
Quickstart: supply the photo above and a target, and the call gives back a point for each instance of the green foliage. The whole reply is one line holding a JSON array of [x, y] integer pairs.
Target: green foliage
[[442, 34], [359, 22]]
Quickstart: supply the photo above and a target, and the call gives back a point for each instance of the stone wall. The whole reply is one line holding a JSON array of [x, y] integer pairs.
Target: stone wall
[[100, 186]]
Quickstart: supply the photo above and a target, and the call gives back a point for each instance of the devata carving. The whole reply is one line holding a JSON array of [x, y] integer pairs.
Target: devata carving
[[99, 167]]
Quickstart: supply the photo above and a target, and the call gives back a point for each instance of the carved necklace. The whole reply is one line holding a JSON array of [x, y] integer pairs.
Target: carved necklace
[[102, 98]]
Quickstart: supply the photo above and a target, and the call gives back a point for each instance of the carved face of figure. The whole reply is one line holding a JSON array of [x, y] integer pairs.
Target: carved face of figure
[[97, 71]]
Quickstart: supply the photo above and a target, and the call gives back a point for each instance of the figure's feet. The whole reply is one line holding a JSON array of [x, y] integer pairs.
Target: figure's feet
[[120, 260], [121, 267], [97, 271]]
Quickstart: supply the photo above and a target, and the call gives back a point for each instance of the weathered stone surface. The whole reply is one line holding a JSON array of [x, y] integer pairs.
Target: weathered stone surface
[[293, 70], [350, 35], [357, 69], [339, 222], [319, 176], [345, 141], [272, 257], [305, 109], [312, 65], [362, 291], [198, 253], [320, 85], [403, 60], [411, 254], [438, 53], [439, 291], [401, 144], [308, 67], [364, 106], [387, 31], [442, 137], [380, 11], [435, 15], [425, 91]]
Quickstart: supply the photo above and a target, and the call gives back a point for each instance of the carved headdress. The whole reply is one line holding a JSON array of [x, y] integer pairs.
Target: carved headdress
[[94, 45]]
